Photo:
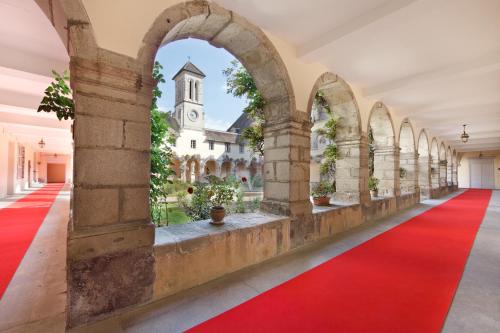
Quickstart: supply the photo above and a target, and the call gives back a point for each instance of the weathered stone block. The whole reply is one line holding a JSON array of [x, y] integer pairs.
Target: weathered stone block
[[137, 136], [135, 204], [95, 207], [98, 132]]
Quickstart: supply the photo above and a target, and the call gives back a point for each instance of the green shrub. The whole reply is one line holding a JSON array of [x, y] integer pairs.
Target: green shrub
[[373, 183]]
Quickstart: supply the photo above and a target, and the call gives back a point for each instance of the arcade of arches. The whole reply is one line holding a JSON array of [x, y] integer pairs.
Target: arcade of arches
[[110, 235]]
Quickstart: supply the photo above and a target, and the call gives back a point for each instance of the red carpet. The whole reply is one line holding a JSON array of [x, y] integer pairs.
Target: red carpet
[[400, 281], [19, 223]]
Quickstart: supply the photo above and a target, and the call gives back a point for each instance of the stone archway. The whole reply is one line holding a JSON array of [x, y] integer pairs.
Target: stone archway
[[424, 165], [443, 165], [285, 127], [386, 154], [434, 164], [349, 176], [407, 158]]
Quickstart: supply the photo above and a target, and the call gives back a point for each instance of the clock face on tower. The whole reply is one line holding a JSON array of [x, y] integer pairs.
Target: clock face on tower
[[193, 115]]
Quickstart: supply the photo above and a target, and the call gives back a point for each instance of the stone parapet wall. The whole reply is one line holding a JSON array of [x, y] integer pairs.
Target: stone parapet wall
[[195, 253]]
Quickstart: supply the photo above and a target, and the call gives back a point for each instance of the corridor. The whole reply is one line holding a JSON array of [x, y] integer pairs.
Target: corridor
[[35, 298], [474, 307]]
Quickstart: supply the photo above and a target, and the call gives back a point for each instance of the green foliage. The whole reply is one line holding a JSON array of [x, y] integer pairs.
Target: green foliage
[[371, 152], [329, 131], [241, 84], [256, 181], [199, 207], [255, 205], [57, 97], [373, 183], [322, 189], [240, 204], [161, 153], [402, 173]]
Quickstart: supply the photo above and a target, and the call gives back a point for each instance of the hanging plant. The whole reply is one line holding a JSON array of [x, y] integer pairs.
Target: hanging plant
[[58, 98]]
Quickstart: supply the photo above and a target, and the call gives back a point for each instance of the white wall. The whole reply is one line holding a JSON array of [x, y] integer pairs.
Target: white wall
[[464, 171]]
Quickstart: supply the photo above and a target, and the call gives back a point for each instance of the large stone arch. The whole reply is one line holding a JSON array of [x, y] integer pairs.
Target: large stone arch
[[223, 28], [285, 127], [386, 154], [434, 163], [424, 165], [407, 158], [340, 98], [443, 165]]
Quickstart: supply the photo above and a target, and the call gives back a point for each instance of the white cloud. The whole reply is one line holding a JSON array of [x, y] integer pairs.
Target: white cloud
[[217, 124]]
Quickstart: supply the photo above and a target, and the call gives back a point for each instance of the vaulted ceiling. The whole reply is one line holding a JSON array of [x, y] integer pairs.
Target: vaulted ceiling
[[436, 61]]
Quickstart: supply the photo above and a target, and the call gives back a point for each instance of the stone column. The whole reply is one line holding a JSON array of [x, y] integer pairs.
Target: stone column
[[442, 173], [454, 175], [386, 169], [286, 176], [434, 172], [424, 176], [351, 171], [408, 161], [183, 170], [110, 262], [449, 174], [218, 167]]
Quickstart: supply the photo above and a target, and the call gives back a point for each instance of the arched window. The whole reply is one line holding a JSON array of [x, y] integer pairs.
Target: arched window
[[191, 89], [196, 92]]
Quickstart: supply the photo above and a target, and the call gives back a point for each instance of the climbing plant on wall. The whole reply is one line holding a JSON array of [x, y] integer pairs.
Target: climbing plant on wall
[[371, 151], [161, 153], [241, 84], [329, 132]]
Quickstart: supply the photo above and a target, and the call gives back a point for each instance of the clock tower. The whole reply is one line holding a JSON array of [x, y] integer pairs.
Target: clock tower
[[189, 97]]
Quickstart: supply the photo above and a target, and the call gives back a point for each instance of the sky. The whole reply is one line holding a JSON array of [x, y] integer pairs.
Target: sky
[[221, 109]]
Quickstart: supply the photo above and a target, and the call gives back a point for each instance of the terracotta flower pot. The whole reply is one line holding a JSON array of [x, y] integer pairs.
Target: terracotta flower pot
[[217, 214], [322, 201], [374, 193]]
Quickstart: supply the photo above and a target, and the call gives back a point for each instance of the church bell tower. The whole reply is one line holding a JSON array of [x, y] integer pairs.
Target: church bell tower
[[189, 97]]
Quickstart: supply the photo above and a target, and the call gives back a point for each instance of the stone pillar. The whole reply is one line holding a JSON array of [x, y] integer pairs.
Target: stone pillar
[[449, 174], [434, 172], [442, 173], [351, 171], [110, 262], [218, 168], [454, 175], [386, 169], [183, 170], [286, 176], [408, 161], [424, 176]]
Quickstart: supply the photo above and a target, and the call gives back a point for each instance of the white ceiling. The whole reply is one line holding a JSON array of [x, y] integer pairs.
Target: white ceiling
[[436, 61], [30, 48]]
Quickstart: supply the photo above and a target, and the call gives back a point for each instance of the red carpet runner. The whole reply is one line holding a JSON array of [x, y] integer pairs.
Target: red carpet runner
[[19, 223], [400, 281]]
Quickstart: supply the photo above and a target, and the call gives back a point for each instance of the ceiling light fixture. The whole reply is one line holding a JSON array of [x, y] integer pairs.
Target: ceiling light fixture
[[41, 144], [464, 136]]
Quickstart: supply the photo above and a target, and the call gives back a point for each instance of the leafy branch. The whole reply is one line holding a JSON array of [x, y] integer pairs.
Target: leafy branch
[[58, 98]]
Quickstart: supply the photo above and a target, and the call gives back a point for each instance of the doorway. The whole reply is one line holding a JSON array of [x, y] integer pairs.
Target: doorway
[[56, 173], [482, 173]]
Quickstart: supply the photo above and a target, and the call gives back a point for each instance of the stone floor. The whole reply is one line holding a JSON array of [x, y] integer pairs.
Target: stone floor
[[35, 299], [476, 307]]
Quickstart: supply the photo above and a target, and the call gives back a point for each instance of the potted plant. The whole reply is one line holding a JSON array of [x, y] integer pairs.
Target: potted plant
[[220, 194], [321, 193], [402, 173], [373, 186]]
